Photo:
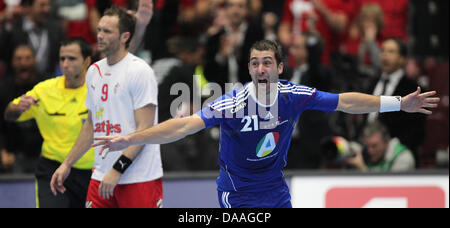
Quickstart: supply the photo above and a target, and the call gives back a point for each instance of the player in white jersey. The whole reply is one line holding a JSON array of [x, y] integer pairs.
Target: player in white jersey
[[122, 99]]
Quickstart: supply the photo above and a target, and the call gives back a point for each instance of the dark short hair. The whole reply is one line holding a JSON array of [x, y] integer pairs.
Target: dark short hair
[[24, 46], [183, 44], [86, 49], [402, 48], [268, 45], [127, 22]]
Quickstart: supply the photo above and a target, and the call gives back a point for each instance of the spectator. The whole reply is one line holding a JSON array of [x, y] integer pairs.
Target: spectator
[[80, 18], [41, 34], [358, 64], [395, 14], [383, 153], [275, 7], [312, 126], [267, 13], [198, 152], [9, 12], [21, 141], [409, 128], [306, 50], [364, 39], [193, 17], [163, 66], [270, 22], [227, 51], [189, 53], [328, 18], [219, 21], [143, 15], [160, 30]]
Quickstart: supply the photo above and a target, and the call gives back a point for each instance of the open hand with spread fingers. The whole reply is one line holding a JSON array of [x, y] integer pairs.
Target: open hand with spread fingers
[[145, 11], [419, 102], [111, 143]]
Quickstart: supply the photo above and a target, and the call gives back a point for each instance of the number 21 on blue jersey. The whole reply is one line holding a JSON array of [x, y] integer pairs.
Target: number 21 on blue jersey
[[250, 123]]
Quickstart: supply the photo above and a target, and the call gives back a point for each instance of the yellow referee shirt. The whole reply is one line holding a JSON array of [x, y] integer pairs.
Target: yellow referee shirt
[[60, 114]]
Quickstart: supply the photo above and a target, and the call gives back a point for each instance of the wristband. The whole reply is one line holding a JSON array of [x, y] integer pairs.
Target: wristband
[[122, 164], [390, 103]]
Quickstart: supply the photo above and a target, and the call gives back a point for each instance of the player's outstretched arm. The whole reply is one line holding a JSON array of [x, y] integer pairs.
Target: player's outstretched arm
[[359, 103], [163, 133]]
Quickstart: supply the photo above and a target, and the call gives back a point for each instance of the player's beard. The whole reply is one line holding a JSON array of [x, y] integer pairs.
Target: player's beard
[[108, 48]]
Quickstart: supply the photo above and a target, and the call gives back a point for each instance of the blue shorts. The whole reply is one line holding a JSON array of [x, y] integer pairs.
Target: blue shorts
[[277, 198]]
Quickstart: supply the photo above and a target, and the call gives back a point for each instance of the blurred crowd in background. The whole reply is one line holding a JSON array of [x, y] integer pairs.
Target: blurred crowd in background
[[379, 47]]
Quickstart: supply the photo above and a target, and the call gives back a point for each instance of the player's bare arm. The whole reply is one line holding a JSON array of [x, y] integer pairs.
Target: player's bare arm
[[359, 103], [82, 145], [166, 132], [13, 112], [145, 118]]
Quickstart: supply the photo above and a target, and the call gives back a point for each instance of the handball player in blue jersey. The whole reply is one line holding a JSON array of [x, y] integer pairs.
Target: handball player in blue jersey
[[256, 124]]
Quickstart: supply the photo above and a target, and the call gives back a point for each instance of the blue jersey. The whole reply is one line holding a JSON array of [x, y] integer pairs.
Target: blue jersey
[[255, 138]]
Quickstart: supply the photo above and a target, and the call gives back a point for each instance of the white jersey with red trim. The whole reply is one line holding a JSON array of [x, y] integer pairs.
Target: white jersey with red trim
[[114, 93]]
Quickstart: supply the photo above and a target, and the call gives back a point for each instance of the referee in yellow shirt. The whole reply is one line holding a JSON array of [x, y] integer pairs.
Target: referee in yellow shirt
[[58, 106]]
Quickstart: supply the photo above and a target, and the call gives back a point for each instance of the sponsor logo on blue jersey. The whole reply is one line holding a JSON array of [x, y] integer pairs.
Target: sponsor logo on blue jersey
[[267, 144]]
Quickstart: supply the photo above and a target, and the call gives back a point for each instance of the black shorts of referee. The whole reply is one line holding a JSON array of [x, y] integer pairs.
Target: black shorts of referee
[[76, 185]]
